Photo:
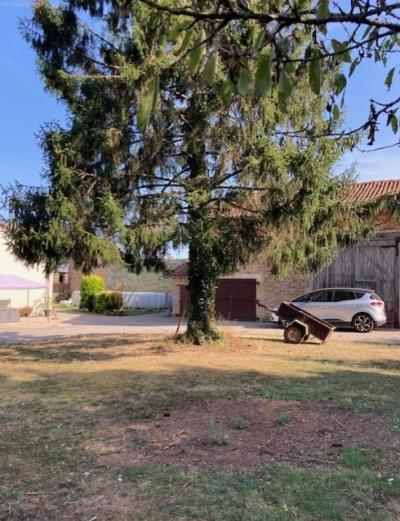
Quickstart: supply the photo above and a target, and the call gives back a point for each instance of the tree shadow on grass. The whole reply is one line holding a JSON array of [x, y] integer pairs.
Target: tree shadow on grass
[[131, 394], [386, 364], [80, 349], [146, 320]]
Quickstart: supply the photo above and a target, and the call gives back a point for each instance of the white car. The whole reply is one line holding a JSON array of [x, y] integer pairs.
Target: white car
[[360, 308]]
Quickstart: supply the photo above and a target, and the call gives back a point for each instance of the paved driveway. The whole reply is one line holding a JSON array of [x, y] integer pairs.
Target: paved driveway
[[71, 324]]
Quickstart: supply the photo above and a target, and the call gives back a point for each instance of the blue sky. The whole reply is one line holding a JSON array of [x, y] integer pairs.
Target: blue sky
[[24, 106]]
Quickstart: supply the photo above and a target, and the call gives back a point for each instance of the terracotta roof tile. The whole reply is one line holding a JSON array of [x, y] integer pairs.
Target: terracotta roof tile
[[371, 190]]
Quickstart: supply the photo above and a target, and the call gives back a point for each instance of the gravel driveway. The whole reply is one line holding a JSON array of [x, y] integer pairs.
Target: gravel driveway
[[72, 324]]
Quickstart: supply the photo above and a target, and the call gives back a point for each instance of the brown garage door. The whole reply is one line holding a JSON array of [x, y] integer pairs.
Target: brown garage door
[[235, 299]]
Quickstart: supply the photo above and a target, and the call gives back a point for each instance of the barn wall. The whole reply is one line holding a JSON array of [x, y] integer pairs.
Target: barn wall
[[372, 264]]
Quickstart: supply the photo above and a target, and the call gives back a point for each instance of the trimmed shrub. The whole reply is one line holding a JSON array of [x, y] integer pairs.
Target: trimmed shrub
[[90, 286], [108, 302]]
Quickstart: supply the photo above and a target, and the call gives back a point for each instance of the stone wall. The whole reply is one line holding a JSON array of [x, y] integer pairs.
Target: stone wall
[[117, 277]]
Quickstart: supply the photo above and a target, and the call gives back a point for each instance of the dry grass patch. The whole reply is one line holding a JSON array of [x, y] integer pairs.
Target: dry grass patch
[[205, 434], [79, 436]]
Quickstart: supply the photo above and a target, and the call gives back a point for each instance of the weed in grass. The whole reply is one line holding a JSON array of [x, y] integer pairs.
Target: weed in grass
[[394, 422], [4, 417], [282, 419], [355, 458], [266, 393], [215, 437], [140, 440], [238, 423]]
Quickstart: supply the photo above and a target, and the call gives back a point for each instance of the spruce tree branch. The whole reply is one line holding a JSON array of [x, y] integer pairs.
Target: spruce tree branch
[[225, 178], [241, 208], [99, 36]]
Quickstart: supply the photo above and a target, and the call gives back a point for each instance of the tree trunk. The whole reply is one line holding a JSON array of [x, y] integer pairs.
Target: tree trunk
[[202, 273], [202, 270]]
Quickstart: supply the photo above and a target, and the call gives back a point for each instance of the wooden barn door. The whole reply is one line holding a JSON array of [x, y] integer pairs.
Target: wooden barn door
[[235, 299], [372, 264], [376, 268]]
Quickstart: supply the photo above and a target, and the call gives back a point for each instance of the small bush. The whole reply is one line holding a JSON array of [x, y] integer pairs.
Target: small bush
[[282, 419], [25, 311], [215, 437], [108, 302], [238, 423], [90, 286]]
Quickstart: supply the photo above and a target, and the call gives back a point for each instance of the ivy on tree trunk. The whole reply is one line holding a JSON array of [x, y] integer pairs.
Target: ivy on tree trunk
[[202, 275]]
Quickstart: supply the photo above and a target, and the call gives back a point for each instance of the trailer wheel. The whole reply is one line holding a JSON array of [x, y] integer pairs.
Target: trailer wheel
[[293, 335]]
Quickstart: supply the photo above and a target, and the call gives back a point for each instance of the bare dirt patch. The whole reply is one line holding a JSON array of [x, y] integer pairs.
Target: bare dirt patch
[[243, 434]]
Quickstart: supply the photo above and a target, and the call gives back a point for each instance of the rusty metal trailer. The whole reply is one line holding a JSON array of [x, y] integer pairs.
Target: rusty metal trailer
[[300, 325]]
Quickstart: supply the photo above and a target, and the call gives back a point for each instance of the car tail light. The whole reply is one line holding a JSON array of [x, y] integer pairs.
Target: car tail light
[[377, 303]]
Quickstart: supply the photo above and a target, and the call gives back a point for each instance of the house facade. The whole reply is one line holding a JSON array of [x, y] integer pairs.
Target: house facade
[[372, 264], [17, 298]]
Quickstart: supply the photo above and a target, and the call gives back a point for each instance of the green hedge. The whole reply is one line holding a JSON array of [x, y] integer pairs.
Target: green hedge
[[108, 302], [90, 286]]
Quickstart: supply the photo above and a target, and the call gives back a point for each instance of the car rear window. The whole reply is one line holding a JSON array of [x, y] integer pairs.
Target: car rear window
[[342, 294], [359, 294]]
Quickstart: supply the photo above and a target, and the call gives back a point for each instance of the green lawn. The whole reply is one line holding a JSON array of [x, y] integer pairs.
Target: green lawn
[[84, 422]]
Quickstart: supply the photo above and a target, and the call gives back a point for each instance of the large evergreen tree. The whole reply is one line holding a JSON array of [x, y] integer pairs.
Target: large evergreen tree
[[171, 141]]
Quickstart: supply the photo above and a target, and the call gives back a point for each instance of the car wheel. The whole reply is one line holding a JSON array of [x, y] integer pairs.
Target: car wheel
[[293, 335], [363, 323]]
